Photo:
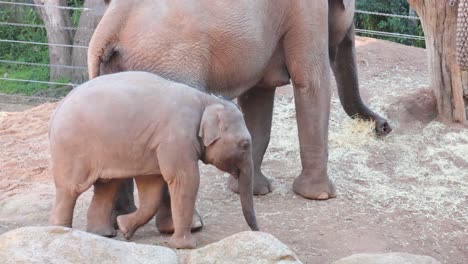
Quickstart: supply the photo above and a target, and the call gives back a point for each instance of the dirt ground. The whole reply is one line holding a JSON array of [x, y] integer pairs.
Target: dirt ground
[[407, 192]]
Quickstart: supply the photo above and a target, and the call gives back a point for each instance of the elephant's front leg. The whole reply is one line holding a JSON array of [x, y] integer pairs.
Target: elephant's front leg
[[149, 192], [257, 105], [307, 61], [343, 62], [183, 185]]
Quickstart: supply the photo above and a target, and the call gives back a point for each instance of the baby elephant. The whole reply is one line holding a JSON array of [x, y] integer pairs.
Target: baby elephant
[[134, 123]]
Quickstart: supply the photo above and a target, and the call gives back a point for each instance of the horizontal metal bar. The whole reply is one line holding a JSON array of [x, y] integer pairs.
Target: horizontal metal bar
[[41, 26], [33, 81], [385, 14], [389, 34], [42, 43], [43, 64], [52, 6]]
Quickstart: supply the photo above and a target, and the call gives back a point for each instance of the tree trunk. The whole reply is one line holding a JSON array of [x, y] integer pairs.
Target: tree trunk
[[439, 21], [89, 20], [53, 18]]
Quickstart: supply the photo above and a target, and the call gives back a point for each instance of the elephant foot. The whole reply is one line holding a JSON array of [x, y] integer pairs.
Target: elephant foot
[[105, 231], [123, 211], [54, 222], [126, 225], [262, 184], [166, 226], [382, 127], [183, 242], [313, 188]]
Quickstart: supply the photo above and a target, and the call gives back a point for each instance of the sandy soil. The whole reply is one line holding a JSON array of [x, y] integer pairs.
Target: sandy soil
[[407, 192]]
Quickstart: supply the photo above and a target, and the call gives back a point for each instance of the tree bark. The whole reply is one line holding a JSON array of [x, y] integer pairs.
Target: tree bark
[[439, 21], [53, 18], [89, 20]]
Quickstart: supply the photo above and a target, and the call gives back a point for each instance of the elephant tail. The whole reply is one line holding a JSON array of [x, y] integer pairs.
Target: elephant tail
[[105, 38], [93, 176]]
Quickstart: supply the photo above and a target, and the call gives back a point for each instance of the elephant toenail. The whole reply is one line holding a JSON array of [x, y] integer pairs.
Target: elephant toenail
[[323, 196]]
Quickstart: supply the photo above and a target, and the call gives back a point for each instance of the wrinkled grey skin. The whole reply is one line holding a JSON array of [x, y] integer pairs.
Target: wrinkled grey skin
[[243, 49], [136, 123]]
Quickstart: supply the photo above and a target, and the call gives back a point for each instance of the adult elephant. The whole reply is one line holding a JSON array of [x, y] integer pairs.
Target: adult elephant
[[243, 49]]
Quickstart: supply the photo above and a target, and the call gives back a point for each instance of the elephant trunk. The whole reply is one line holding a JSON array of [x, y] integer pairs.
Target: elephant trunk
[[246, 193]]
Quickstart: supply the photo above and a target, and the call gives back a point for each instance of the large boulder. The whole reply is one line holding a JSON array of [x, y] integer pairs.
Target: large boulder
[[387, 258], [245, 247], [65, 245]]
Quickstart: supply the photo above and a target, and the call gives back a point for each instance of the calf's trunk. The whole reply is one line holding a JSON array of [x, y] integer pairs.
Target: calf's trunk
[[246, 193]]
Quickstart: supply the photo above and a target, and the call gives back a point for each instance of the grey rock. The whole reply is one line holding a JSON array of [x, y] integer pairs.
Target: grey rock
[[387, 258], [65, 245], [245, 247]]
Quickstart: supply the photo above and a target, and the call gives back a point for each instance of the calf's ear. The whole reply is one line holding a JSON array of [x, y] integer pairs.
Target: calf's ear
[[210, 130]]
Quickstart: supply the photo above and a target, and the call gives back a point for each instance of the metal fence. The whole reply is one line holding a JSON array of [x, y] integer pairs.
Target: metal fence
[[4, 77]]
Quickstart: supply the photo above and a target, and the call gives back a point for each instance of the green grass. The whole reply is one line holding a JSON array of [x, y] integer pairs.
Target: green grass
[[25, 73], [28, 53], [22, 52]]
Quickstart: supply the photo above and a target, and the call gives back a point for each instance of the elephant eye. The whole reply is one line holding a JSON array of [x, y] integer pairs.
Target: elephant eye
[[244, 144]]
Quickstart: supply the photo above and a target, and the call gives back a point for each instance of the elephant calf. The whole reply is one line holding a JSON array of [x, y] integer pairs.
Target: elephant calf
[[135, 123]]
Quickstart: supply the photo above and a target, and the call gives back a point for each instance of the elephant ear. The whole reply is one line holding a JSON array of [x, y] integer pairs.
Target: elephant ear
[[346, 3], [210, 130]]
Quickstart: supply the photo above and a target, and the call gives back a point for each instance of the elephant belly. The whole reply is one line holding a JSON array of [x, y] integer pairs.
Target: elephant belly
[[219, 56], [115, 168], [213, 68], [276, 73]]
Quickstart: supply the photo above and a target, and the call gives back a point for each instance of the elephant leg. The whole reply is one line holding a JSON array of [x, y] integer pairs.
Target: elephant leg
[[100, 218], [308, 64], [62, 213], [69, 176], [164, 221], [343, 63], [125, 202], [183, 190], [257, 105], [149, 193]]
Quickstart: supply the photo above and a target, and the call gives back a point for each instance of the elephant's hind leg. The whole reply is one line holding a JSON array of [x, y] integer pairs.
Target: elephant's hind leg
[[149, 193], [125, 203], [66, 193], [100, 220], [62, 213]]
